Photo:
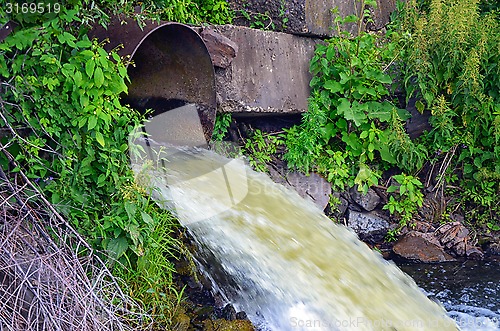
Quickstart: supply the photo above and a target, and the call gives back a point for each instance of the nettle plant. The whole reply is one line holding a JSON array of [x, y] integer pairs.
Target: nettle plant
[[452, 68], [351, 111]]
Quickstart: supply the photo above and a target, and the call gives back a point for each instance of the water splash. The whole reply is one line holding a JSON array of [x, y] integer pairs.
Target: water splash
[[275, 255]]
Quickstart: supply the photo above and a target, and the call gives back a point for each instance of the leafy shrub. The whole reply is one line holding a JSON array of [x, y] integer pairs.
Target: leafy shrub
[[350, 111], [60, 103], [65, 90], [221, 126], [259, 149], [452, 67], [408, 198]]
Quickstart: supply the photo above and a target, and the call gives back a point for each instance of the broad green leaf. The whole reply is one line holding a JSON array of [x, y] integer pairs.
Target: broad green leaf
[[385, 153], [99, 138], [130, 208], [343, 106], [403, 114], [118, 246], [392, 189], [402, 189], [147, 218], [85, 43], [356, 113], [330, 53], [98, 77], [89, 68], [380, 110], [101, 180], [78, 78], [341, 124], [334, 86], [84, 100], [353, 142], [92, 122], [87, 53], [329, 131], [82, 122]]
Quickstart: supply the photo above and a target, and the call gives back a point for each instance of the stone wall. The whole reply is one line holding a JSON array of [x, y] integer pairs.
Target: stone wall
[[308, 17]]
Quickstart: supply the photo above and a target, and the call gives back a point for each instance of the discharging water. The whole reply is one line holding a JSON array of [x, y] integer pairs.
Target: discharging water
[[276, 256]]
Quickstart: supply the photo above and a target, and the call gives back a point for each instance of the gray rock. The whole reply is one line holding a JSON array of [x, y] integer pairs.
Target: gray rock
[[270, 73], [368, 201], [456, 237], [313, 186], [341, 208], [474, 253], [369, 226], [382, 14], [421, 247]]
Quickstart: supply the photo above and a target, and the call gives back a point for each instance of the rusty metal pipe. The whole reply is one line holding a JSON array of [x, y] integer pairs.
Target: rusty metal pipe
[[170, 67]]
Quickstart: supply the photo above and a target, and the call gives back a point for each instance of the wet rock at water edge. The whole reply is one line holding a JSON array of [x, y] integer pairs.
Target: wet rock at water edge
[[490, 244], [225, 325], [368, 201], [455, 237], [312, 187], [474, 253], [369, 226], [421, 247]]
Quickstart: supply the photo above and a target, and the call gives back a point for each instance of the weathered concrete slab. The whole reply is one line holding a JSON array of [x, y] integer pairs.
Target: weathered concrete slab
[[270, 73], [222, 50], [308, 17]]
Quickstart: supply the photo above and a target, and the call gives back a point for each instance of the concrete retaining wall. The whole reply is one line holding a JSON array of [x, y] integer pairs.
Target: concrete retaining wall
[[270, 72], [308, 17]]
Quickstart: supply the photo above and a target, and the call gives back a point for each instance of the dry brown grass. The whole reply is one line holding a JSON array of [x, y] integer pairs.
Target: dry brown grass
[[50, 278]]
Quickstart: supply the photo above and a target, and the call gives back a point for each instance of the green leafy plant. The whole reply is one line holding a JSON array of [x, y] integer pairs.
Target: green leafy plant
[[212, 11], [262, 21], [409, 197], [67, 92], [221, 126], [350, 110], [283, 15], [66, 128], [260, 148], [452, 68]]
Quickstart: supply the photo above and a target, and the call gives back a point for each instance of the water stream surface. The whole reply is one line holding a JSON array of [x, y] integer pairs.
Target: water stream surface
[[470, 290], [275, 255]]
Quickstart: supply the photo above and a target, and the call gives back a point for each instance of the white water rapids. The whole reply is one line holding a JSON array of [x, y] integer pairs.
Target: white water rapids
[[275, 255]]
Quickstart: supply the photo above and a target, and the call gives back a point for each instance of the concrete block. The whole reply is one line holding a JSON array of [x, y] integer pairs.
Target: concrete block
[[270, 73], [308, 17]]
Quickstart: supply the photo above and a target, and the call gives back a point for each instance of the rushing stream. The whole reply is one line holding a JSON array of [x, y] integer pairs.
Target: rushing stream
[[276, 256], [470, 290], [271, 253]]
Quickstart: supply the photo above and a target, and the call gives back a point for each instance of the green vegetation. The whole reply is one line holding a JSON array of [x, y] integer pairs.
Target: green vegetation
[[265, 21], [259, 149], [60, 102], [354, 129], [408, 200], [452, 67], [221, 126]]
